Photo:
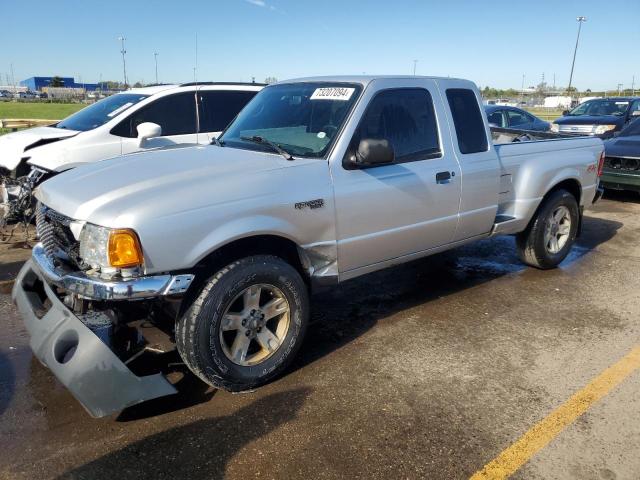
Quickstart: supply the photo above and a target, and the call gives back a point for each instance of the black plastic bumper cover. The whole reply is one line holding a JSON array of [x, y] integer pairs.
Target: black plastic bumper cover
[[95, 376]]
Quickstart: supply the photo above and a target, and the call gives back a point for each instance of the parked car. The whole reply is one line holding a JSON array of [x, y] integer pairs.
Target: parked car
[[134, 120], [601, 116], [622, 160], [317, 181], [6, 94], [109, 127], [27, 94], [513, 117]]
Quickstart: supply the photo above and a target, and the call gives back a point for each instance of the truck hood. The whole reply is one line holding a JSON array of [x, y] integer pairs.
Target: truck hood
[[590, 120], [119, 191], [623, 146], [13, 145]]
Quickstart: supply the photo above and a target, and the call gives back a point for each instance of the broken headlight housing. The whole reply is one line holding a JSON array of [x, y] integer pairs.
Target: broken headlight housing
[[94, 242]]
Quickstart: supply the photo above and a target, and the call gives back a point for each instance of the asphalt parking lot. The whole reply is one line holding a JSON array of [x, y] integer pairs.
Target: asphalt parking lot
[[429, 370]]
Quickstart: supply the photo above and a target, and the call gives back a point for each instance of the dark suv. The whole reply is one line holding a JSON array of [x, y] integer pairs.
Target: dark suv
[[601, 116]]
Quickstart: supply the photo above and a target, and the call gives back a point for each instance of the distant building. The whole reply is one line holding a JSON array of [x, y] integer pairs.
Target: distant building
[[38, 83]]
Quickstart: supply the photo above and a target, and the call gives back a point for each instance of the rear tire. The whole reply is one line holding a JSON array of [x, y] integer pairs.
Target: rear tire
[[246, 324], [551, 233]]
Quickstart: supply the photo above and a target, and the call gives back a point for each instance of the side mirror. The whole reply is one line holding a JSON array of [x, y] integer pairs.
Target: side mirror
[[373, 152], [635, 113], [565, 113], [148, 130]]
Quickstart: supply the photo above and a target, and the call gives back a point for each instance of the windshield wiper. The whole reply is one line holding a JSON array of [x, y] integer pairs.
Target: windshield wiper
[[263, 141]]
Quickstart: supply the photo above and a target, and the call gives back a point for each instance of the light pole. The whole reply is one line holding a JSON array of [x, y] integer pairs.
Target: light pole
[[619, 89], [522, 90], [124, 62], [580, 20], [415, 62], [155, 56]]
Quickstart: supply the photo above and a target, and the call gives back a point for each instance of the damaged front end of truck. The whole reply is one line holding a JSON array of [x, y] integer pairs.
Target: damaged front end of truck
[[94, 331]]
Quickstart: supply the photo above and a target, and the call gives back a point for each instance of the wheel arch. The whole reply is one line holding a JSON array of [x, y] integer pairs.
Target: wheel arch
[[572, 185], [256, 244]]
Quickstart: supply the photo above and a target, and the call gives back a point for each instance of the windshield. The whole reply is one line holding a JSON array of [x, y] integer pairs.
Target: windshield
[[301, 118], [100, 112], [632, 129], [601, 107]]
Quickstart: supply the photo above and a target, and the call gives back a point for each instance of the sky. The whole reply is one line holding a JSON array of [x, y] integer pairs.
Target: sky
[[493, 43]]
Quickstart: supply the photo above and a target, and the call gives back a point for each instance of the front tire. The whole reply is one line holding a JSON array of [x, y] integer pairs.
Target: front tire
[[246, 325], [552, 232]]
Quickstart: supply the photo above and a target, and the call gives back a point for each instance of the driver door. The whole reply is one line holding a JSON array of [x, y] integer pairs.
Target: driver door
[[389, 211], [176, 115]]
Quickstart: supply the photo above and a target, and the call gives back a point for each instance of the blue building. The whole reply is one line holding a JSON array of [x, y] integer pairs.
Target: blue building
[[37, 83]]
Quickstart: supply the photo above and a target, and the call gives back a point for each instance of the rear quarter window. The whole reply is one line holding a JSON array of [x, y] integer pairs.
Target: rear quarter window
[[467, 120]]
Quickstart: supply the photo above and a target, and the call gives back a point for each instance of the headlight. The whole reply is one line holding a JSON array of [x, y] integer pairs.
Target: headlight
[[555, 127], [600, 129], [102, 247]]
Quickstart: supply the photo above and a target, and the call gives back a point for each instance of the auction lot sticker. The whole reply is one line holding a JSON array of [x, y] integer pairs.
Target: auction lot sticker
[[332, 93]]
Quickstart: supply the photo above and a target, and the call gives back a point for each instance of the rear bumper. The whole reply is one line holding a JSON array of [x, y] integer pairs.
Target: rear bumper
[[85, 365], [620, 181]]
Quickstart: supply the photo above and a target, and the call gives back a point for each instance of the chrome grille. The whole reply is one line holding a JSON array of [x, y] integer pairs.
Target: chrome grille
[[576, 128], [57, 239], [622, 164]]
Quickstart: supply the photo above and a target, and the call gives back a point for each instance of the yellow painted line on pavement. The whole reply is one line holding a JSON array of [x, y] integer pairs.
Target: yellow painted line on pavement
[[520, 452]]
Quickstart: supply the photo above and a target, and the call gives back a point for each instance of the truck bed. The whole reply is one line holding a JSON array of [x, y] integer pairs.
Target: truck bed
[[530, 167]]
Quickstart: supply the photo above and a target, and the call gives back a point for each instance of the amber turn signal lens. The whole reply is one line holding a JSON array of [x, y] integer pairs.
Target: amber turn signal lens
[[124, 249]]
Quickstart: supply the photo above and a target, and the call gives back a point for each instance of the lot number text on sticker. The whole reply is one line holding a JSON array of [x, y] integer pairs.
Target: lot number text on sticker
[[332, 93]]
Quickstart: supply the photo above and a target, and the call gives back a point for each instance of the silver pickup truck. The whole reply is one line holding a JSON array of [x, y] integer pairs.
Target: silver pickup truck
[[316, 182]]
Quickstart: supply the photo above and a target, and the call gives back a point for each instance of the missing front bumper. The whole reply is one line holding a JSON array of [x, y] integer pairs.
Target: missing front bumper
[[95, 376]]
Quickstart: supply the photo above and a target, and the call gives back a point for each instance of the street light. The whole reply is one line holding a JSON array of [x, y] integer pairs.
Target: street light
[[124, 63], [580, 21], [155, 56], [415, 62]]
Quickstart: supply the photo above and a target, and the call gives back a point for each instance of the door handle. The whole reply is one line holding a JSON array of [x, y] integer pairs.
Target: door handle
[[443, 177]]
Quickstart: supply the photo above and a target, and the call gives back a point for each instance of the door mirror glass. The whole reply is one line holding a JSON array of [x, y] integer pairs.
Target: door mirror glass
[[374, 152], [635, 113], [148, 130], [565, 113]]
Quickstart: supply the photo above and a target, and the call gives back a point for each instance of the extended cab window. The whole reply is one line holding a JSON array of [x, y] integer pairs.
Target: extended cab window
[[219, 107], [406, 118], [176, 115], [467, 120]]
